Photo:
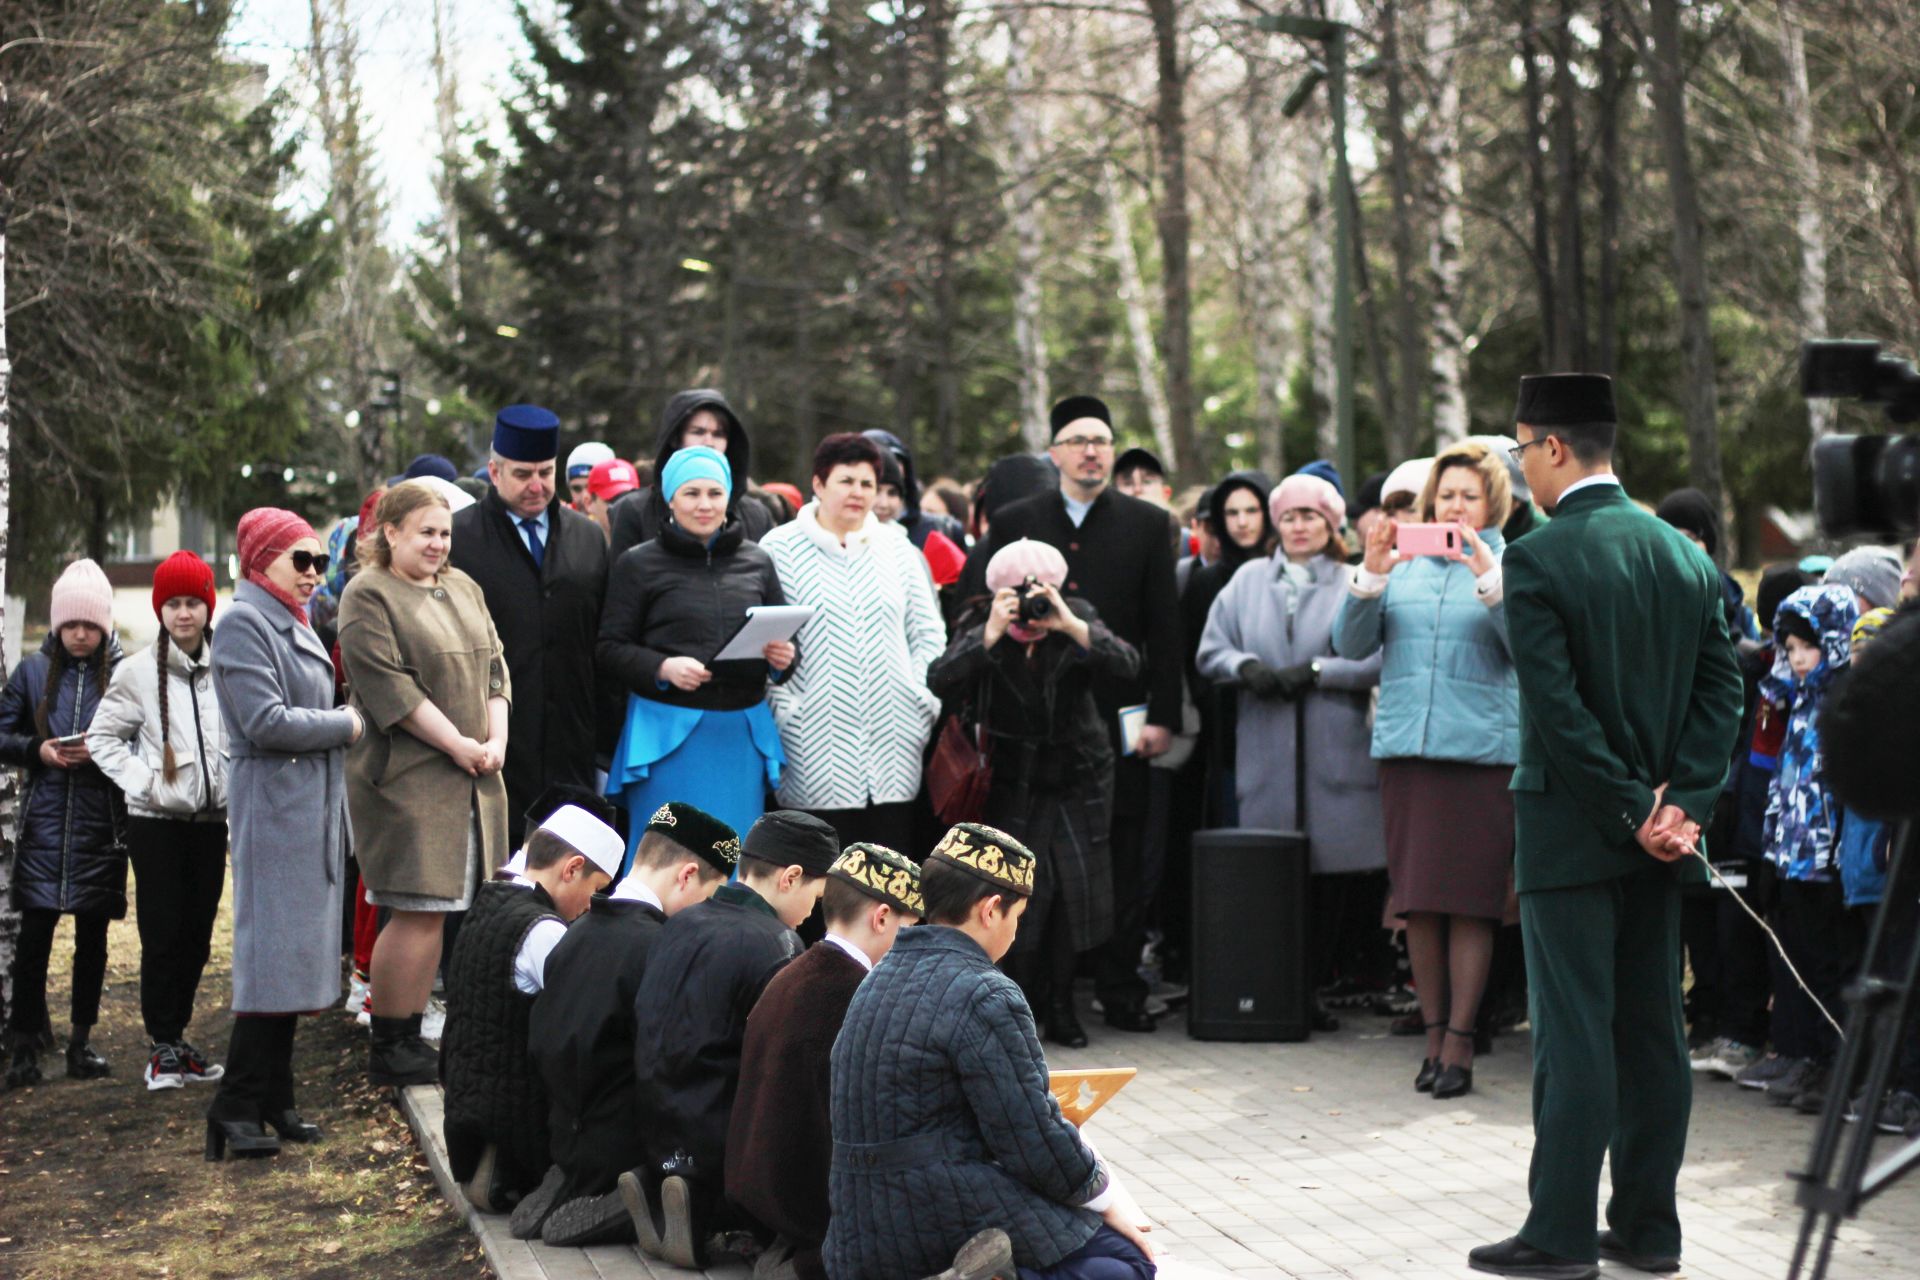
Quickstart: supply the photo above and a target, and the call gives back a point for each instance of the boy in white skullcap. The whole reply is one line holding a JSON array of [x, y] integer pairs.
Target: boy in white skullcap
[[496, 1107]]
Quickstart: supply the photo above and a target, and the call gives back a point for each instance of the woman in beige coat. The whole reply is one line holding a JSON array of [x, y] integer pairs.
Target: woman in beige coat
[[424, 789]]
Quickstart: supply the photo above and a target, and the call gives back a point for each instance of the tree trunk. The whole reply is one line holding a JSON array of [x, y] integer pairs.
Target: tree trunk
[[1326, 373], [1537, 194], [1133, 297], [946, 199], [1403, 429], [1614, 62], [1264, 277], [1699, 395], [1808, 226], [9, 918], [1385, 399], [1449, 343], [1570, 284], [446, 117], [1175, 223], [1023, 212]]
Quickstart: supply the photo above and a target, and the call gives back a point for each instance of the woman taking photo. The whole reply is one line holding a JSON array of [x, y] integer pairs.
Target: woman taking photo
[[697, 731], [158, 736], [287, 807], [1031, 685], [856, 717], [1272, 631], [429, 807], [1446, 736]]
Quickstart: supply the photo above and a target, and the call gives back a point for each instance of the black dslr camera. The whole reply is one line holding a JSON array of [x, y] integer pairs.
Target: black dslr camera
[[1864, 484], [1035, 605]]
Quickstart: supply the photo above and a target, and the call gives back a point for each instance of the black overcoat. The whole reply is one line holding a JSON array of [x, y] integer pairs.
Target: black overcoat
[[548, 620], [704, 975], [581, 1040]]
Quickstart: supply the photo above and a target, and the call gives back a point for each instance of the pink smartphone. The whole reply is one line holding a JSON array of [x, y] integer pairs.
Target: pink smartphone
[[1445, 540]]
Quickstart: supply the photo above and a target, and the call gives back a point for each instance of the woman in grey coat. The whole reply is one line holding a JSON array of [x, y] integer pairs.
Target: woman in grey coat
[[1271, 631], [287, 808]]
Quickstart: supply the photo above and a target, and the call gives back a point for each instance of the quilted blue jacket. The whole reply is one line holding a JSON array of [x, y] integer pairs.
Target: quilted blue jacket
[[942, 1122], [1447, 688]]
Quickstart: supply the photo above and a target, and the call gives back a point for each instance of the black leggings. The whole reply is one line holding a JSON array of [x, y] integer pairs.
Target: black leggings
[[179, 870], [37, 924]]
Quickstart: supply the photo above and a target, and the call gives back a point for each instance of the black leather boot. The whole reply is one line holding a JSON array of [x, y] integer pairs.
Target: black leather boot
[[398, 1056], [1063, 1025], [83, 1063]]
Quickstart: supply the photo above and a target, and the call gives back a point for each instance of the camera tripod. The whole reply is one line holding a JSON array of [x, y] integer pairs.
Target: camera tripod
[[1837, 1182]]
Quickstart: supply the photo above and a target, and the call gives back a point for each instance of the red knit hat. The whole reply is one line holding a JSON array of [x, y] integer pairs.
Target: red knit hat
[[265, 533], [182, 574]]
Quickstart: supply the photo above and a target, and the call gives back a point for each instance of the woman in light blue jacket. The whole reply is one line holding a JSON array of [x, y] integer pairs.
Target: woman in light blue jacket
[[1446, 737]]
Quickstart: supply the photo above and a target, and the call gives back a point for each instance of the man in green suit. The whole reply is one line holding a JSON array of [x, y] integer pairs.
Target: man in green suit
[[1630, 701]]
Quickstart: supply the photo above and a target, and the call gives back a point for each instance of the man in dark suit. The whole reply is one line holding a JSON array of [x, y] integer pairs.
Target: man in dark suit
[[1630, 699], [1120, 560], [543, 570]]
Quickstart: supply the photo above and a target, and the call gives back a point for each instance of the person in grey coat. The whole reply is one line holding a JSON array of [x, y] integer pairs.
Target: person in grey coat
[[287, 808], [1271, 630], [945, 1134]]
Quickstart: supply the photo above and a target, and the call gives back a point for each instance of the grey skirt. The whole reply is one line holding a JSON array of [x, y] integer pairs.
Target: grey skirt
[[426, 902]]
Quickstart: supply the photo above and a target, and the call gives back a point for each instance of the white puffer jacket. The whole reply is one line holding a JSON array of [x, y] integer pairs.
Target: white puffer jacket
[[125, 736]]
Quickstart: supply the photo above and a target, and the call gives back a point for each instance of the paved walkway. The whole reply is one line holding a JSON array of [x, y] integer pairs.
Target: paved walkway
[[1319, 1160]]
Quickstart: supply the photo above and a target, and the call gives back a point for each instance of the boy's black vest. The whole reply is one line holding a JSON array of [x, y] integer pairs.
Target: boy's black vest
[[491, 1086]]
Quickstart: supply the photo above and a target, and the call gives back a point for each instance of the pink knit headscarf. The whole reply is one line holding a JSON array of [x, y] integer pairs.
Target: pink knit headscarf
[[263, 536]]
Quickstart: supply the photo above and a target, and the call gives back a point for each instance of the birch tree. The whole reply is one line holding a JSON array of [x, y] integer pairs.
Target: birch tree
[[1133, 297], [1446, 223], [1024, 123], [1808, 223]]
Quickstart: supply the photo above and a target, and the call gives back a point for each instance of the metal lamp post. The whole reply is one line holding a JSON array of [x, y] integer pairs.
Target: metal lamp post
[[1333, 37]]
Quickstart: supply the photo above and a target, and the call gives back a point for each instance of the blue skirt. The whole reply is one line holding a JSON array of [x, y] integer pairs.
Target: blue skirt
[[723, 762]]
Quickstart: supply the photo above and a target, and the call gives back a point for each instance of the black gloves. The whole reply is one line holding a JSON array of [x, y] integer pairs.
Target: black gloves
[[1286, 683], [1259, 679]]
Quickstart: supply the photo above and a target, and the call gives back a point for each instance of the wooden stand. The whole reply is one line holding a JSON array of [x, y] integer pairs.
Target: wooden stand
[[1081, 1093]]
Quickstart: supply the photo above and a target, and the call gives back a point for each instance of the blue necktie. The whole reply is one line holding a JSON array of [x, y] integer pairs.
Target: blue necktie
[[534, 545]]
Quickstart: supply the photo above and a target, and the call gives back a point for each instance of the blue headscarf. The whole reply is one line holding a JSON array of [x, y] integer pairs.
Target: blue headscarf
[[695, 463]]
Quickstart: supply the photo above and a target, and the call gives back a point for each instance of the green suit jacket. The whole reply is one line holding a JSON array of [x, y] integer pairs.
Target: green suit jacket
[[1627, 680]]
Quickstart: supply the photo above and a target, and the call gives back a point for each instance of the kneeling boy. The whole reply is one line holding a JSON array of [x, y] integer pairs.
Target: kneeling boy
[[707, 968], [780, 1142], [943, 1126], [496, 1107], [583, 1029]]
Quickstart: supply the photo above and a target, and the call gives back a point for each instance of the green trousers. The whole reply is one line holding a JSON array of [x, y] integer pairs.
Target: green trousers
[[1610, 1072]]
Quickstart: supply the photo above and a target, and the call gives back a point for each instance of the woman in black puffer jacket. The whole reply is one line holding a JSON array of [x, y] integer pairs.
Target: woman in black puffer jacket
[[696, 730], [70, 856]]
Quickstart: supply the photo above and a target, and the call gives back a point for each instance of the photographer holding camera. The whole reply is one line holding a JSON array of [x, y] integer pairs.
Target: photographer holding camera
[[1027, 659]]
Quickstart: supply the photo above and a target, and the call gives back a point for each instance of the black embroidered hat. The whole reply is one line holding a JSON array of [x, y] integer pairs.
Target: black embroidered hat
[[994, 856], [699, 833], [1565, 399], [881, 874]]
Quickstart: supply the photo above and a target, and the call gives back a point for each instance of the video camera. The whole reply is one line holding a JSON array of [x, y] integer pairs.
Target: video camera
[[1864, 484]]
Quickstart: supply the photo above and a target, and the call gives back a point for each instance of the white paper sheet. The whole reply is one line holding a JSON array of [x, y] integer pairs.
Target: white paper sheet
[[765, 623]]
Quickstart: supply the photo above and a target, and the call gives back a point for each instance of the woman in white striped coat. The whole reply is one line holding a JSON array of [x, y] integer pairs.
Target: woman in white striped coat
[[856, 715]]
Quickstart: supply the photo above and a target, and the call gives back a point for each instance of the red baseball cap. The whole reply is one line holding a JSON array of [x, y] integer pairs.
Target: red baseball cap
[[609, 479]]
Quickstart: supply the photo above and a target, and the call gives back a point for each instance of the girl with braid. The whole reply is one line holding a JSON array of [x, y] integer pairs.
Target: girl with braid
[[158, 735]]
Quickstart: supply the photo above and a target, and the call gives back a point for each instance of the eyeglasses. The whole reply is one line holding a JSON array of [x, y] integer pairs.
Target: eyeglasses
[[1514, 451], [1084, 444], [305, 560]]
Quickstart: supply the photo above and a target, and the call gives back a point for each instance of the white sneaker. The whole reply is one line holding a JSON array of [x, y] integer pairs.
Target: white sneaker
[[433, 1021], [1707, 1056], [163, 1069], [359, 1002], [194, 1067]]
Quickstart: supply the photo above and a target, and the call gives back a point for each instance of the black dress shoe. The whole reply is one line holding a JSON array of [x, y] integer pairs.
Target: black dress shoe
[[1515, 1257], [291, 1127], [1452, 1081], [84, 1064], [1130, 1017], [1063, 1026], [1429, 1069], [1322, 1020], [242, 1137], [1614, 1250]]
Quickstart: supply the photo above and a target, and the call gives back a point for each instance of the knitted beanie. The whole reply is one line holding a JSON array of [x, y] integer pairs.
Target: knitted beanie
[[83, 594], [182, 574]]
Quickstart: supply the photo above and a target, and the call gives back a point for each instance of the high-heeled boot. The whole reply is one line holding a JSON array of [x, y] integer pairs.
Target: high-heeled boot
[[233, 1118], [279, 1114]]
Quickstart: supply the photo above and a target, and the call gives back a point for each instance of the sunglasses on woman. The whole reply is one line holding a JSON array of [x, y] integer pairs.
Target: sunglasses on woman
[[305, 560]]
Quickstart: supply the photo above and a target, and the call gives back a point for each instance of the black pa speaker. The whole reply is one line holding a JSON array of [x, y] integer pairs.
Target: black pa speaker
[[1248, 964]]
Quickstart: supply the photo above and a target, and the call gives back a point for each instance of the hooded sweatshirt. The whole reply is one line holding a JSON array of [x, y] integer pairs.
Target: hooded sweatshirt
[[1802, 815], [639, 518], [918, 524]]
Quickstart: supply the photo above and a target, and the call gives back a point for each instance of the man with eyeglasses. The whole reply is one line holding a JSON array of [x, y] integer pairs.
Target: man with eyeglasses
[[542, 567], [1630, 699], [1120, 560]]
